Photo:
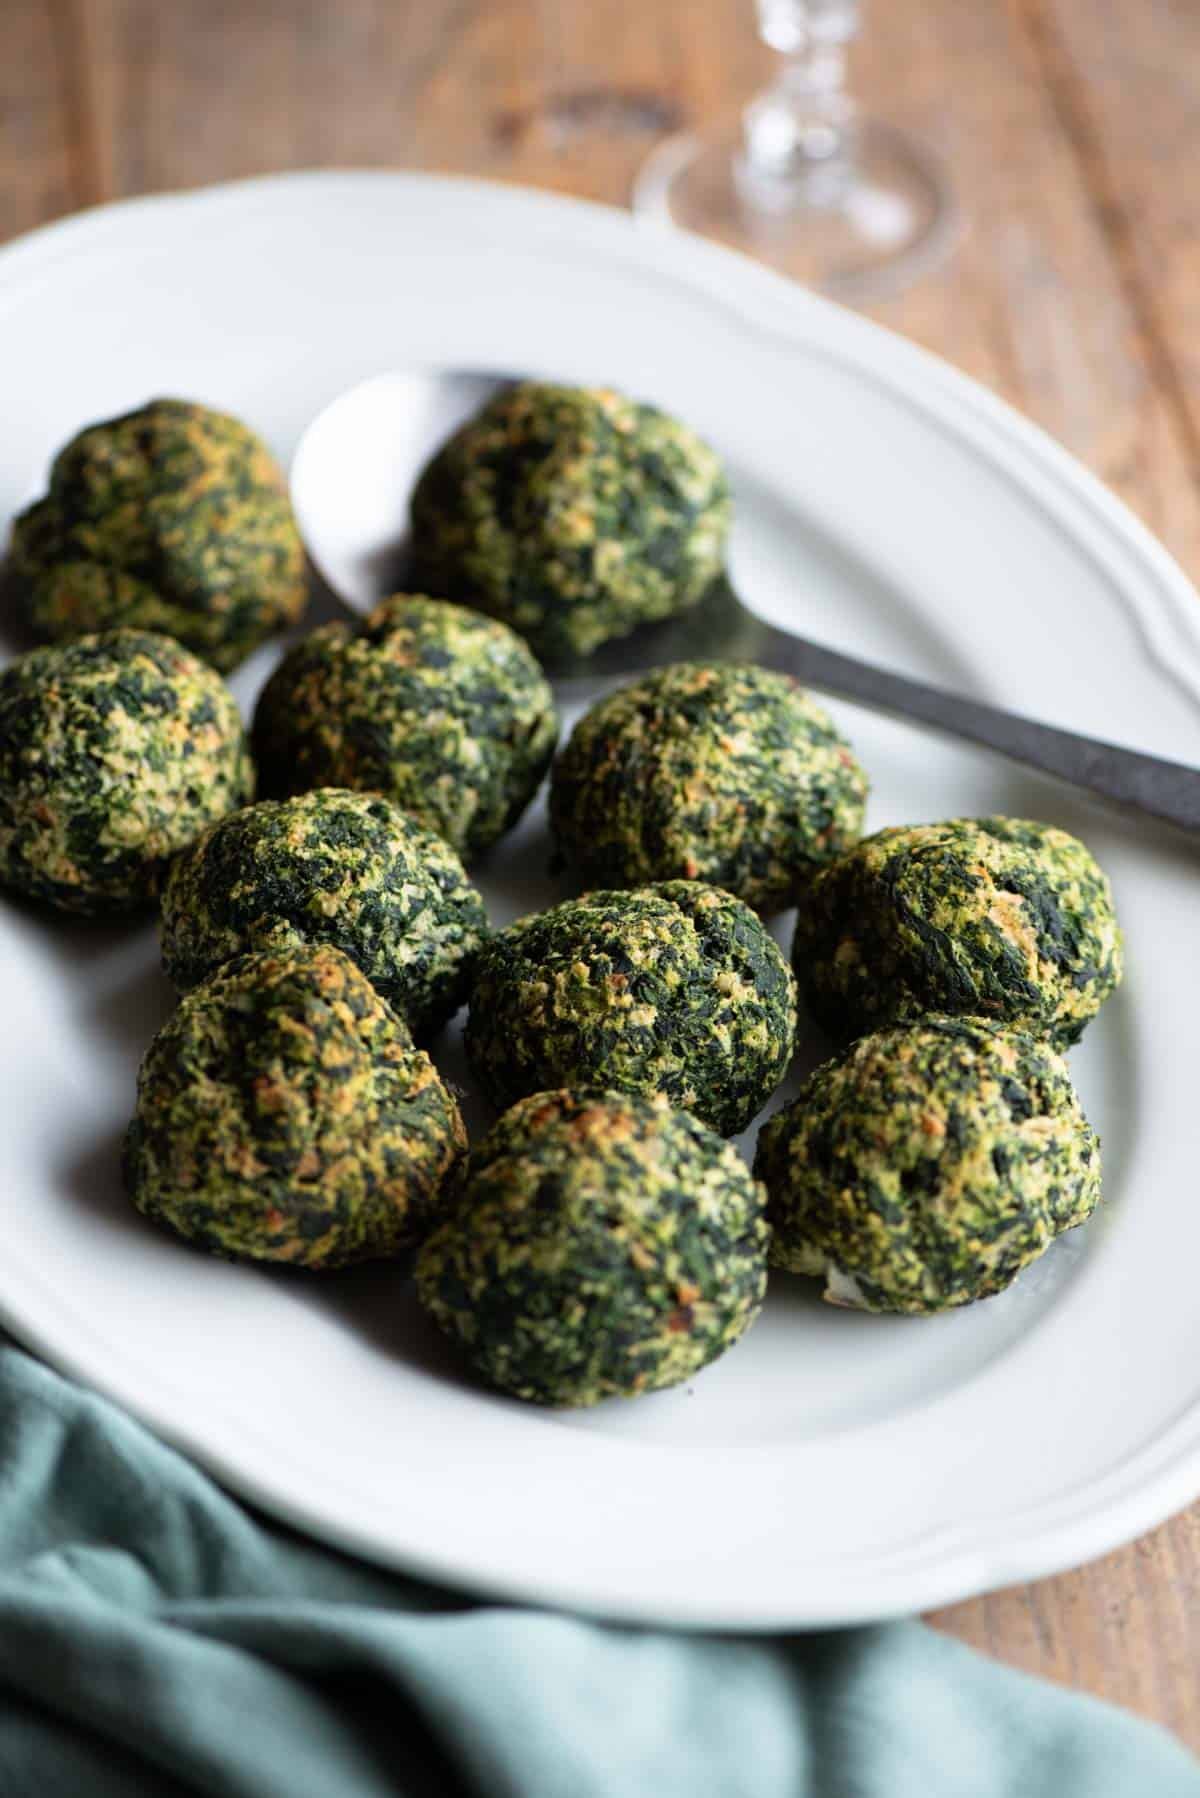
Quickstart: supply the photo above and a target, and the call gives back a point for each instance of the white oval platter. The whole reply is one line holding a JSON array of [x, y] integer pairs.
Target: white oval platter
[[834, 1467]]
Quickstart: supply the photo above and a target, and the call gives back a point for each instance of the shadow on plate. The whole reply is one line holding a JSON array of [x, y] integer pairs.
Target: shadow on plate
[[528, 881], [91, 1179], [132, 1011], [376, 1301], [15, 634], [449, 1055], [324, 607], [80, 940]]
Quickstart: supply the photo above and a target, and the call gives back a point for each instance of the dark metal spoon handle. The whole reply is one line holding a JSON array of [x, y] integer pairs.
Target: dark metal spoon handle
[[1163, 789]]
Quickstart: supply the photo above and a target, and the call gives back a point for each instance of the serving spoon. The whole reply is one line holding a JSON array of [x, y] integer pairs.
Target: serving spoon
[[357, 464]]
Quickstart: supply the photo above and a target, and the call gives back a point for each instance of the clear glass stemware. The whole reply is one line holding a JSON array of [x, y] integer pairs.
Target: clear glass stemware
[[800, 178]]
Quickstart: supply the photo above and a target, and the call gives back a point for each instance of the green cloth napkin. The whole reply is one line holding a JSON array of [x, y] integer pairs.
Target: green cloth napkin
[[157, 1638]]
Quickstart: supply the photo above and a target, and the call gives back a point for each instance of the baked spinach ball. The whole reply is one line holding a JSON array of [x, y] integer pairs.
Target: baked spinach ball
[[927, 1165], [714, 771], [442, 710], [331, 866], [675, 989], [600, 1246], [996, 917], [572, 513], [173, 518], [115, 752], [284, 1115]]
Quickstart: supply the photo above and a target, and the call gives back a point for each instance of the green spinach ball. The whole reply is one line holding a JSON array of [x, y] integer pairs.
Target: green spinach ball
[[283, 1114], [173, 518], [115, 752], [714, 771], [674, 989], [928, 1165], [337, 867], [443, 711], [993, 917], [572, 513], [600, 1246]]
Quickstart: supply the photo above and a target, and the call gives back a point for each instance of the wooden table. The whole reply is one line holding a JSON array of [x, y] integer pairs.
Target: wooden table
[[1073, 130]]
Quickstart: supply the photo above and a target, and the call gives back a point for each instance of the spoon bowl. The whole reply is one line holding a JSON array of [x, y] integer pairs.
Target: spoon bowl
[[357, 464], [353, 475]]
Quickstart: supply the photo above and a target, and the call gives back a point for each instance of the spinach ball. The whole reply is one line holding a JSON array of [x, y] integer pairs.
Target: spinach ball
[[714, 771], [600, 1245], [284, 1115], [337, 867], [115, 752], [992, 917], [572, 513], [928, 1165], [173, 518], [443, 711], [675, 989]]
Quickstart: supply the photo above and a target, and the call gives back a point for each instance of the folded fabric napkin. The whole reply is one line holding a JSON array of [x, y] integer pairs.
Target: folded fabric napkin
[[158, 1638]]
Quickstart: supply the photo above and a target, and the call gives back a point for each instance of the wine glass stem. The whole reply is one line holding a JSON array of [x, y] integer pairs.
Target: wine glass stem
[[799, 133]]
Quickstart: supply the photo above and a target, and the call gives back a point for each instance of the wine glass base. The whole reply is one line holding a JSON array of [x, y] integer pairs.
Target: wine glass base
[[888, 220]]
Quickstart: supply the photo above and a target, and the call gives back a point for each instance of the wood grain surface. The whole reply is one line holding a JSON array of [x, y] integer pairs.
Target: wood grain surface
[[1073, 130]]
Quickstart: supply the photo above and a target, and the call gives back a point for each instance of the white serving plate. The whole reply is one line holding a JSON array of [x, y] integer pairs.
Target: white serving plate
[[833, 1467]]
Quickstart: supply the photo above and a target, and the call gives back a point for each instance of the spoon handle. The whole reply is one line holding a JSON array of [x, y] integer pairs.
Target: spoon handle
[[1162, 789]]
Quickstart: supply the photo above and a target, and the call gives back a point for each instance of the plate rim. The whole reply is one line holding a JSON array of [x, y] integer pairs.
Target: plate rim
[[1057, 1532]]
